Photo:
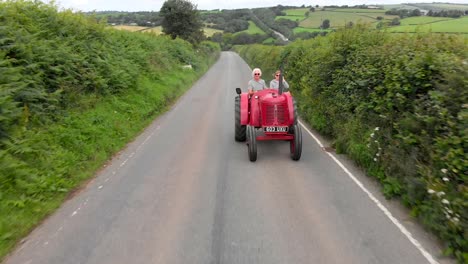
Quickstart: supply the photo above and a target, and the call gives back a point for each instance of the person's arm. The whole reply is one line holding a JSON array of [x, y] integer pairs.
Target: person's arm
[[250, 87], [272, 84], [285, 84]]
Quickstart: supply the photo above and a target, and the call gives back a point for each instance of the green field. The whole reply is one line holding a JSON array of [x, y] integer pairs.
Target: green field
[[356, 10], [269, 41], [292, 18], [388, 7], [441, 6], [294, 14], [301, 29], [297, 12], [339, 19], [253, 29], [422, 20], [459, 25]]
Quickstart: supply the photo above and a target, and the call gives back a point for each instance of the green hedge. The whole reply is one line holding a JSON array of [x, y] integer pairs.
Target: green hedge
[[398, 105], [72, 93]]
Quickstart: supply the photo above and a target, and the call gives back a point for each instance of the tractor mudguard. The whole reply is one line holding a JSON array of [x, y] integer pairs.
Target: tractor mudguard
[[254, 111], [244, 109], [290, 106]]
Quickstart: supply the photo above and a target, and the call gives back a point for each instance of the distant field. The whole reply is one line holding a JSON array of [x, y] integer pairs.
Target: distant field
[[438, 7], [210, 31], [294, 14], [269, 41], [301, 29], [297, 12], [157, 30], [459, 25], [339, 19], [422, 20], [292, 18], [129, 28], [388, 7], [355, 10], [253, 29]]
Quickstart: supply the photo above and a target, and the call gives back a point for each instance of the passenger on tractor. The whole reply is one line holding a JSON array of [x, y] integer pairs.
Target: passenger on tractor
[[256, 83], [274, 84]]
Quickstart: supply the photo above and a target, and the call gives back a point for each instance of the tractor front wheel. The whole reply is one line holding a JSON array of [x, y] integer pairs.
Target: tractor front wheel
[[295, 144], [252, 143]]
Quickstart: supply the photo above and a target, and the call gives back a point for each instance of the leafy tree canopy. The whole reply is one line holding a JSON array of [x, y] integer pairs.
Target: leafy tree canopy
[[182, 19]]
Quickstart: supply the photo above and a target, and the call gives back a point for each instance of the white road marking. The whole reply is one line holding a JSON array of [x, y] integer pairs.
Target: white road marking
[[377, 202], [123, 163]]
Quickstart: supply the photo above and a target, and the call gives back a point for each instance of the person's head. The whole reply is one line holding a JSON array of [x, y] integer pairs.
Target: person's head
[[277, 74], [256, 73]]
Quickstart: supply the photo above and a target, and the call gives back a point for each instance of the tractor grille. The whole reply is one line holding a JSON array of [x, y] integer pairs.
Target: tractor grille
[[275, 114]]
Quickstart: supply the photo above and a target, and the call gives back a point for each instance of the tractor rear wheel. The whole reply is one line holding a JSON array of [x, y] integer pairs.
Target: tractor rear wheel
[[239, 130], [295, 111], [295, 145], [252, 143]]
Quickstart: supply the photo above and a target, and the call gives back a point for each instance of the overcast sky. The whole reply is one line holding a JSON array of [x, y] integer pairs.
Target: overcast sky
[[155, 5]]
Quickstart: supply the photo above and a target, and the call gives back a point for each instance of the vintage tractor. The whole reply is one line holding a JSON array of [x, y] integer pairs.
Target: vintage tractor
[[270, 112]]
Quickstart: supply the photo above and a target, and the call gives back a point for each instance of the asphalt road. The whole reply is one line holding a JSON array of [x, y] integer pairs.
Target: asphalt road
[[185, 192]]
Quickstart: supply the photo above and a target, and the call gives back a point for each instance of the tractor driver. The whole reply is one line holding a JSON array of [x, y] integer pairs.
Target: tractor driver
[[256, 83]]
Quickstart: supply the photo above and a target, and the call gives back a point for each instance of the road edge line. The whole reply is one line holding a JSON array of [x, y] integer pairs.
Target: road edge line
[[403, 230]]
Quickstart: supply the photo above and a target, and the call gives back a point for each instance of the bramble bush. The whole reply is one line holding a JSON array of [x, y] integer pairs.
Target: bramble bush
[[398, 105], [72, 93]]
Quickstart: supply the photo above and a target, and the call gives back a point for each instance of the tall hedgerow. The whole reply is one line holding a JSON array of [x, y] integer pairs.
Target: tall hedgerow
[[72, 93], [398, 105]]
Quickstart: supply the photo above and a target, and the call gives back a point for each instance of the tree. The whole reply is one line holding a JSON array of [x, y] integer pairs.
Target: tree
[[181, 19], [325, 24], [395, 21], [416, 12]]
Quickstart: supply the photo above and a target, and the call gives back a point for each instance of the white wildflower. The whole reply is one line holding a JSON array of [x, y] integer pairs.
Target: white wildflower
[[440, 194], [445, 201], [449, 211], [368, 145], [380, 148], [445, 179], [375, 159], [430, 191], [444, 171], [376, 141], [378, 154], [448, 216], [372, 135], [377, 129], [455, 219]]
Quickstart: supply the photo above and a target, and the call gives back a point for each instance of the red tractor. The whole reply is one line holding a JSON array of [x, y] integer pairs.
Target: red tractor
[[273, 114]]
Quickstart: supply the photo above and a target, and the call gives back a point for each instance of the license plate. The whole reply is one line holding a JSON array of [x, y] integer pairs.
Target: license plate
[[275, 129]]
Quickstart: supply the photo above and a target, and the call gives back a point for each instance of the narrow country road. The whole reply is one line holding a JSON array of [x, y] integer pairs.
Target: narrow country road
[[185, 192]]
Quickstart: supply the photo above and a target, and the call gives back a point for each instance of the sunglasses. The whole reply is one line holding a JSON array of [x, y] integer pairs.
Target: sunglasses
[[256, 73], [277, 75]]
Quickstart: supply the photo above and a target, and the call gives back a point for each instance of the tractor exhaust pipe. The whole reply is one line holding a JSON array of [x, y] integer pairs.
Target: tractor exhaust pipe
[[280, 88]]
